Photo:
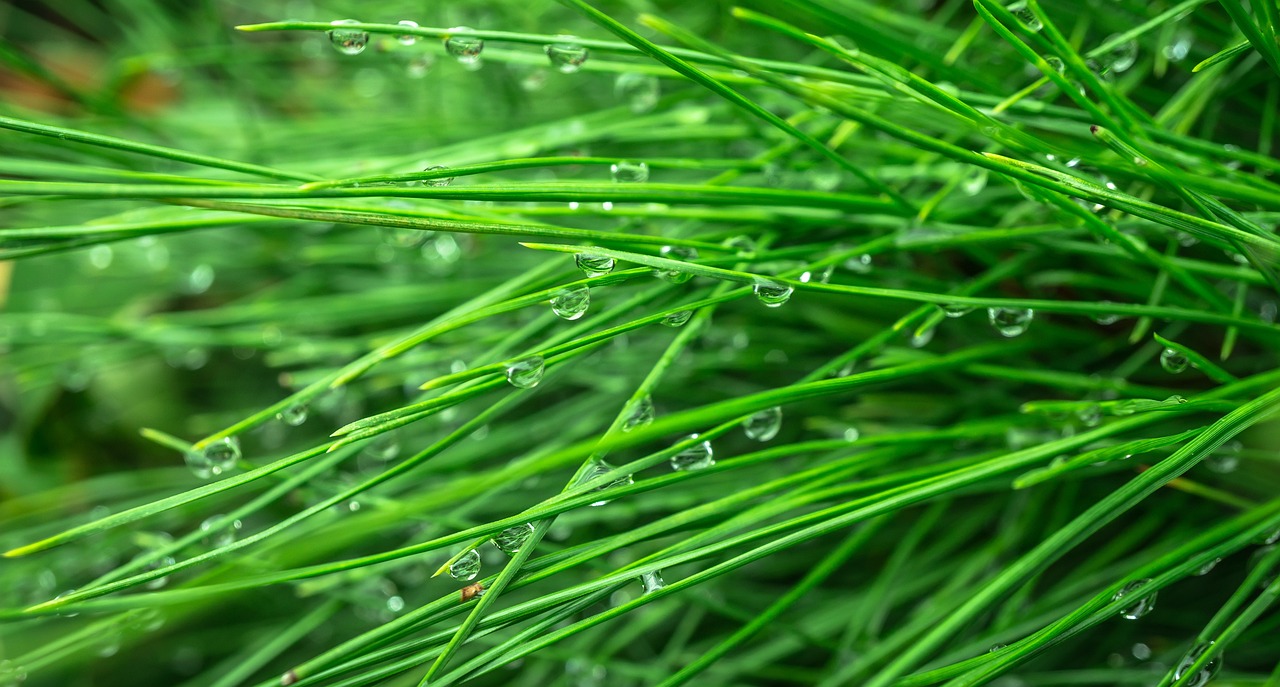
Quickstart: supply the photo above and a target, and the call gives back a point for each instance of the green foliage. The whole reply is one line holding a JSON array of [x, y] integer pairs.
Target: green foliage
[[812, 342]]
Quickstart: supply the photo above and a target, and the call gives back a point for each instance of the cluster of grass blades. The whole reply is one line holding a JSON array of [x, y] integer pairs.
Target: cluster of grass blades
[[636, 342]]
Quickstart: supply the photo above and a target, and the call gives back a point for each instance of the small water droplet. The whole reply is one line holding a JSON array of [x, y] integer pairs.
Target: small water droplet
[[407, 38], [599, 467], [974, 182], [640, 414], [1028, 18], [100, 256], [510, 540], [1010, 322], [440, 181], [565, 55], [1226, 459], [677, 319], [696, 457], [772, 294], [639, 91], [1207, 567], [219, 532], [763, 425], [1205, 674], [858, 264], [1089, 415], [954, 310], [465, 48], [997, 647], [625, 172], [294, 415], [594, 265], [920, 339], [1173, 361], [676, 276], [1139, 607], [467, 567], [348, 41], [572, 302], [652, 581], [153, 541], [215, 459], [1123, 56], [199, 280], [526, 372]]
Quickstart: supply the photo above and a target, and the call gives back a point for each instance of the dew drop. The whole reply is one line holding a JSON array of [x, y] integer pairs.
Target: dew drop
[[858, 264], [676, 276], [526, 372], [348, 41], [1123, 56], [1141, 606], [572, 302], [594, 265], [215, 459], [763, 425], [974, 182], [1173, 361], [599, 467], [218, 532], [772, 294], [652, 581], [467, 567], [954, 310], [1205, 674], [625, 172], [440, 181], [294, 415], [1207, 567], [408, 38], [566, 56], [696, 457], [677, 319], [640, 414], [1010, 322], [1028, 18], [510, 540], [465, 48], [1226, 459], [639, 91]]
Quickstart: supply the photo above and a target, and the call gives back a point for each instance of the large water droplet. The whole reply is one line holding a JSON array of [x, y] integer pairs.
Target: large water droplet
[[772, 294], [763, 425], [1173, 361], [594, 265], [407, 38], [599, 467], [1205, 674], [639, 91], [652, 581], [526, 372], [676, 276], [467, 567], [1123, 56], [294, 415], [677, 319], [215, 459], [954, 310], [696, 457], [465, 48], [219, 532], [348, 41], [566, 56], [640, 414], [629, 172], [1010, 322], [571, 303], [511, 539], [1028, 18], [1139, 607]]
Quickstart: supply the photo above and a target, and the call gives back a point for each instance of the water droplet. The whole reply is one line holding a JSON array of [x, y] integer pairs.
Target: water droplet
[[571, 303], [858, 264], [997, 647], [1205, 674], [629, 172], [526, 372], [1106, 319], [954, 310], [467, 567], [772, 294], [225, 533], [419, 65], [465, 48], [1226, 459], [599, 467], [1173, 361], [438, 182], [1089, 414], [1028, 18], [348, 41], [594, 265], [677, 319], [639, 91], [1123, 56], [294, 415], [407, 38], [511, 539], [199, 280], [383, 448], [108, 644], [566, 56], [153, 541], [920, 339], [696, 457], [11, 673], [1207, 567], [1178, 46], [1140, 607], [763, 425], [100, 257], [974, 182], [652, 581], [1010, 322], [640, 414], [215, 459], [676, 276]]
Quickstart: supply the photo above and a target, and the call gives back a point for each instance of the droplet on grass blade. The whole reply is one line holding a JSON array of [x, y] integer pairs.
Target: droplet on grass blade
[[1024, 15], [1010, 322], [571, 303], [565, 55], [439, 181], [640, 414], [639, 91], [215, 459], [526, 372], [1173, 361], [626, 172], [677, 319], [1203, 676], [676, 276], [764, 425], [772, 294], [954, 310], [467, 567], [696, 457], [510, 540], [407, 38], [466, 49], [1123, 56], [1141, 605], [348, 41], [594, 265], [1226, 459], [652, 581], [294, 415], [600, 467], [219, 531]]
